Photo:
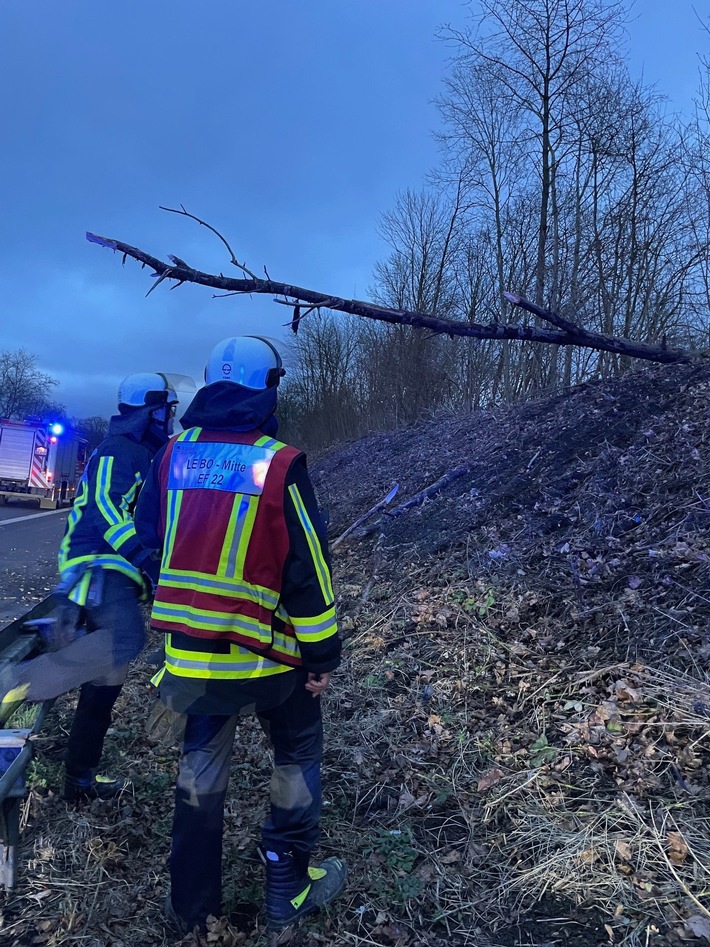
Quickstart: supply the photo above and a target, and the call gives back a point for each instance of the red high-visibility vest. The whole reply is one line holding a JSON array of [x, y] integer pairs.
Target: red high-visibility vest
[[225, 541]]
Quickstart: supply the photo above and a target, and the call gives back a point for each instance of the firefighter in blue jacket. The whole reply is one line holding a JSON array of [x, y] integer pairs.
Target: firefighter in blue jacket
[[246, 603], [105, 573]]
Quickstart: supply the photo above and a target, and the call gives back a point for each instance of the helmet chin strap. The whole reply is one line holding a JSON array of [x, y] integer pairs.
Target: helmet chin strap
[[164, 418]]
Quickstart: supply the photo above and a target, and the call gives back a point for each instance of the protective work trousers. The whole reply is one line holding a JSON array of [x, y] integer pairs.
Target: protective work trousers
[[97, 661], [296, 732]]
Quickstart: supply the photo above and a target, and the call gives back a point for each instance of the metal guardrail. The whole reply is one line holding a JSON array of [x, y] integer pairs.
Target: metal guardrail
[[16, 748], [17, 631]]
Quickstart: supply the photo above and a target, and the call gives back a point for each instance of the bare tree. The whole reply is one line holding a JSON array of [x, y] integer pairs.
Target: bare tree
[[696, 167], [24, 389], [407, 370], [510, 97], [539, 52], [320, 398], [93, 428]]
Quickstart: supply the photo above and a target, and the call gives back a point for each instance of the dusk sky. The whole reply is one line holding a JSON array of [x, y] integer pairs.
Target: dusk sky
[[289, 126]]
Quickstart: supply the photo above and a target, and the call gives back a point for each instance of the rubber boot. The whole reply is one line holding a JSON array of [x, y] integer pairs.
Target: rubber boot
[[88, 785], [292, 893]]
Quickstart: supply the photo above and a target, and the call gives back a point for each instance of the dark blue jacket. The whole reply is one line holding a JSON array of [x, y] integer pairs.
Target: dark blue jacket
[[100, 532]]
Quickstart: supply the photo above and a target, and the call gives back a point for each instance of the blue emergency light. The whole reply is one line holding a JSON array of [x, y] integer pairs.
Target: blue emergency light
[[56, 428]]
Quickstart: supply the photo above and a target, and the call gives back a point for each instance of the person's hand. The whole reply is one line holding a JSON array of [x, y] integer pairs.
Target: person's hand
[[150, 572], [61, 628], [317, 683]]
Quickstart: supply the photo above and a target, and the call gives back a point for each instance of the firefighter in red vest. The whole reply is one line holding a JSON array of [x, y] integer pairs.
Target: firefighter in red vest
[[246, 603]]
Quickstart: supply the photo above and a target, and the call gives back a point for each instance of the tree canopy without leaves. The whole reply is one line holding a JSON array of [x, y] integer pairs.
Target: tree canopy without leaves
[[24, 389], [563, 236], [93, 428]]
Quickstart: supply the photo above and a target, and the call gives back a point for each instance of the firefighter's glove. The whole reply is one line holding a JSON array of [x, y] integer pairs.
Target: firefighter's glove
[[165, 726], [150, 572], [62, 626], [66, 628]]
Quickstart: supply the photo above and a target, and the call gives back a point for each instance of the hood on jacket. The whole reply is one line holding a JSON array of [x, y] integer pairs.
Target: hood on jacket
[[139, 425], [225, 406], [133, 423]]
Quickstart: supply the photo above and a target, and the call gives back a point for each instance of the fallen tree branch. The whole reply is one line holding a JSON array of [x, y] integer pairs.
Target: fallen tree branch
[[417, 499], [565, 333], [366, 516]]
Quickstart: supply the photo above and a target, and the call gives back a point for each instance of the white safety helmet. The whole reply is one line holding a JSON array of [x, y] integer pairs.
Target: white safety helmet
[[247, 360], [145, 389]]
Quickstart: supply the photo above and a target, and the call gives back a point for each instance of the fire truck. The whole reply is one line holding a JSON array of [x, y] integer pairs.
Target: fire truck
[[40, 459]]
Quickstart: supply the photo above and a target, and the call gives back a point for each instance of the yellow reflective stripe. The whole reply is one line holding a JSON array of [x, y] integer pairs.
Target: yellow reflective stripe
[[120, 534], [282, 644], [241, 658], [130, 496], [101, 491], [106, 561], [236, 561], [205, 582], [115, 562], [174, 501], [123, 531], [269, 442], [236, 540], [268, 669], [81, 590], [316, 628], [321, 566], [240, 662], [234, 525], [212, 620], [75, 515]]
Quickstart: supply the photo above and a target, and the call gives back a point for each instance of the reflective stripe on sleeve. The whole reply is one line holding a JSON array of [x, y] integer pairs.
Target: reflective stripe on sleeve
[[120, 534], [102, 496], [321, 566], [317, 628], [75, 515]]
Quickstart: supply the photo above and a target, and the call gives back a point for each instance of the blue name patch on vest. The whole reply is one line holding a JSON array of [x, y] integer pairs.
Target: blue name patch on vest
[[234, 468]]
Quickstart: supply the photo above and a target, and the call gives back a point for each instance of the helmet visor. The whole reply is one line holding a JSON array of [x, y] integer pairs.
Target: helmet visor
[[183, 388]]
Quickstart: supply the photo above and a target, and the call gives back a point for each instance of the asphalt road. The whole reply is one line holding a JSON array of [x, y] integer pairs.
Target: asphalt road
[[29, 541]]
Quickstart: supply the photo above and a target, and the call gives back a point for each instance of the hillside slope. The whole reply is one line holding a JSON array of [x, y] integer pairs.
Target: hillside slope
[[517, 747], [530, 646], [579, 499]]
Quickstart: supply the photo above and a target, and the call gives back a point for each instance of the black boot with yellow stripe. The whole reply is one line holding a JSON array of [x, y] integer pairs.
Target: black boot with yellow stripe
[[292, 893], [88, 785]]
